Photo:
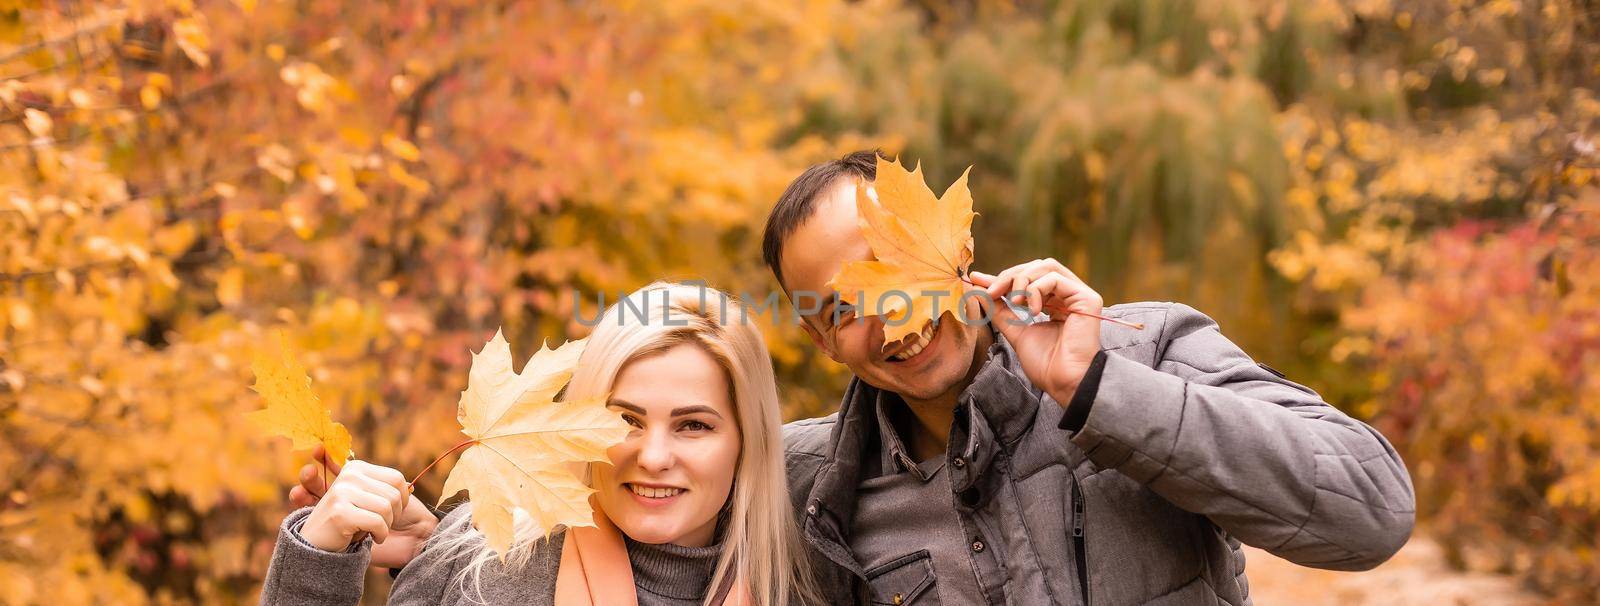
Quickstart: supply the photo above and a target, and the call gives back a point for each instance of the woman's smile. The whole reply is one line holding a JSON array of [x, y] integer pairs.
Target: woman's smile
[[654, 495]]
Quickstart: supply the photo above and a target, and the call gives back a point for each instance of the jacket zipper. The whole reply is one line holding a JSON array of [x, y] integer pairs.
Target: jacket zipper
[[1077, 540]]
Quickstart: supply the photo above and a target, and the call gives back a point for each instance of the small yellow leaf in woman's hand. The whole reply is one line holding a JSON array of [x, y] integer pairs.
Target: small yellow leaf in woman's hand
[[293, 410]]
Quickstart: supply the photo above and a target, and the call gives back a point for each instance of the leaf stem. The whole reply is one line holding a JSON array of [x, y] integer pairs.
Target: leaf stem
[[1133, 325], [411, 486]]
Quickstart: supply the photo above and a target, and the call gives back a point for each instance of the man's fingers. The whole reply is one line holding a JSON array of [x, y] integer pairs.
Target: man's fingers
[[1040, 284], [1007, 322], [1056, 286], [1001, 285], [1067, 297], [1018, 291], [1040, 268], [1006, 281], [1035, 298], [1056, 266]]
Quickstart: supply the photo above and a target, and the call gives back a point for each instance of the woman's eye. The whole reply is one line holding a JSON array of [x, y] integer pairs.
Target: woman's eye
[[629, 419], [696, 426]]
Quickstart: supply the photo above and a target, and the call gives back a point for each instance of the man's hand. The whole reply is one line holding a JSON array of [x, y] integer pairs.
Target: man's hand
[[1054, 354], [409, 528]]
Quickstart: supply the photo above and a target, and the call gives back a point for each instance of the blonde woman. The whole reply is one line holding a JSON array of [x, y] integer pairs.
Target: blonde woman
[[697, 490]]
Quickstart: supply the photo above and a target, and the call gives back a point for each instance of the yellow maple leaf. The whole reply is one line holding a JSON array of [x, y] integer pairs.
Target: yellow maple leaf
[[524, 443], [922, 247], [293, 409]]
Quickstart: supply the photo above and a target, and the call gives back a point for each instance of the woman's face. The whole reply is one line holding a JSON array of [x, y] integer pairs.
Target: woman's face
[[671, 476]]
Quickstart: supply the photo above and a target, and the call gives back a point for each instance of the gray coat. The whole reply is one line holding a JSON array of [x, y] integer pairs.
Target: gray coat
[[1189, 449]]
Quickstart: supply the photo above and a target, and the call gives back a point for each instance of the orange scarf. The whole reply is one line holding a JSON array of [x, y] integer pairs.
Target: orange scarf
[[595, 570]]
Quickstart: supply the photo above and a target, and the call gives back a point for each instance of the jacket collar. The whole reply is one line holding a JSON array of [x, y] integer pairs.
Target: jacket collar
[[893, 457], [994, 411], [1002, 393]]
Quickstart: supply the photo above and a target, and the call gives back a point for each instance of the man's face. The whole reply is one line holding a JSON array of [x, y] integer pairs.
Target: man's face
[[821, 245]]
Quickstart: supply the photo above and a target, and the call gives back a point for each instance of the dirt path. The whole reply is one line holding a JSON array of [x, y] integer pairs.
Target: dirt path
[[1415, 576]]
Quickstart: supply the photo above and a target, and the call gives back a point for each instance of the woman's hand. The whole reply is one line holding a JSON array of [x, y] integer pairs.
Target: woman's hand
[[364, 498]]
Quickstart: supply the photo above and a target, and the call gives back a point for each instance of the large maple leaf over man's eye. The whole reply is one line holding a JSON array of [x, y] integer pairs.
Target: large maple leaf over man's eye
[[293, 410], [922, 247], [524, 443]]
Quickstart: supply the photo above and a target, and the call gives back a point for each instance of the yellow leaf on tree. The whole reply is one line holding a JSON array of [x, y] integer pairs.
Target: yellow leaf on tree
[[524, 443], [193, 39], [922, 247], [149, 96], [37, 122], [293, 409], [401, 148], [230, 286]]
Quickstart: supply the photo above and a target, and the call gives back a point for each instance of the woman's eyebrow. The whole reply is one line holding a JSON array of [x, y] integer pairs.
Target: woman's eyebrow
[[689, 410], [676, 412]]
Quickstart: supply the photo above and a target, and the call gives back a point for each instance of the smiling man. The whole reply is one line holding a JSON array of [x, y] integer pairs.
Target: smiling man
[[1050, 459]]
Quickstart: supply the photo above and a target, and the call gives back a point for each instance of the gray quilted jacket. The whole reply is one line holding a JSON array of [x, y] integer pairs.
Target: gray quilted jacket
[[1189, 448]]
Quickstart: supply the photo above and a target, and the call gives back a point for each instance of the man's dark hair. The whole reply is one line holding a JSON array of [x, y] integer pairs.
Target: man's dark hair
[[799, 200]]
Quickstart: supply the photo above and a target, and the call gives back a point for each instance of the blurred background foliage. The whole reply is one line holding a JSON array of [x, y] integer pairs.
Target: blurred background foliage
[[1392, 201]]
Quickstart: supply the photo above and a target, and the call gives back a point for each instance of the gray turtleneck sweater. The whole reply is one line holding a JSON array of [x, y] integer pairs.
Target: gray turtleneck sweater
[[300, 574]]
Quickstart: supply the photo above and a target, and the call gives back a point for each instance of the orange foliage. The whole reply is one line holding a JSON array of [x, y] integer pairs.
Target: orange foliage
[[1486, 356]]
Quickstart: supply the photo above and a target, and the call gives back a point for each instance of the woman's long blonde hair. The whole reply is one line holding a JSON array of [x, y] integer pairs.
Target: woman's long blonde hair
[[760, 545]]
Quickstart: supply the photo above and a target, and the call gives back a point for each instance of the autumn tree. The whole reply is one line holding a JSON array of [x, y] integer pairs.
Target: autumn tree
[[386, 183]]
